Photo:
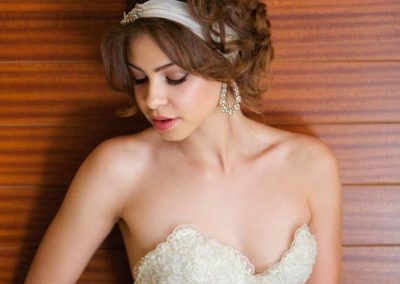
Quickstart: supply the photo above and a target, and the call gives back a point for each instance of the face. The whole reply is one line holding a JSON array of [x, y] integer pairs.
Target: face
[[163, 89]]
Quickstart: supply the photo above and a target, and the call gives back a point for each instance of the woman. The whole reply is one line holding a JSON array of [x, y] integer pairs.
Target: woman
[[206, 195]]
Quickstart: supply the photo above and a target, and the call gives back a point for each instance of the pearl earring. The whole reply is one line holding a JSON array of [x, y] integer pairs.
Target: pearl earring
[[222, 98]]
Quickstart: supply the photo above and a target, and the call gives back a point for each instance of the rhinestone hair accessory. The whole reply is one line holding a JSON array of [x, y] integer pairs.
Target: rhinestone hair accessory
[[133, 15], [178, 12]]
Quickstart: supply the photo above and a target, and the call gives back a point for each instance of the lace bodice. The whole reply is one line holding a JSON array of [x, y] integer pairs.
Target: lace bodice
[[190, 256]]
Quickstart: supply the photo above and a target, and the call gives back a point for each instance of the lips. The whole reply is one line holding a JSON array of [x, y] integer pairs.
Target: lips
[[161, 118], [163, 123]]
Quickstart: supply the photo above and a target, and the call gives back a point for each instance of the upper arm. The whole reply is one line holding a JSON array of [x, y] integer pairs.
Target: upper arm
[[88, 213], [325, 201]]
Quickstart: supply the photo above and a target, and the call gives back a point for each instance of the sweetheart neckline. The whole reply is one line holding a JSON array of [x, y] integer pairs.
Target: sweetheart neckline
[[249, 264]]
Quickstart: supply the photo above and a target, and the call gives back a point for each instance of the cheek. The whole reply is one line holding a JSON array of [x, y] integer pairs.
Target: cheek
[[199, 94], [140, 100]]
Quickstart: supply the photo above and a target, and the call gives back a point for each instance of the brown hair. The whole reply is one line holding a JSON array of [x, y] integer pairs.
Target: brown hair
[[255, 52]]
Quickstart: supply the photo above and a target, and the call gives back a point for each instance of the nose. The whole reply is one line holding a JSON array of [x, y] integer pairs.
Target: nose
[[156, 96]]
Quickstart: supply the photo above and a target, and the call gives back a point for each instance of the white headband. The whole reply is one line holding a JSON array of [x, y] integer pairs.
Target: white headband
[[178, 12]]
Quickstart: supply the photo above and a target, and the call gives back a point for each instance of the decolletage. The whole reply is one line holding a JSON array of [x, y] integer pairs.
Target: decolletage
[[189, 255]]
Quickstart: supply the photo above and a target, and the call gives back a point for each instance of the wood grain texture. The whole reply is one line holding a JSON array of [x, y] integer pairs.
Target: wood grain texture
[[333, 92], [368, 264], [56, 93], [336, 77], [302, 30], [107, 266], [50, 155], [55, 30], [368, 153], [26, 213], [76, 93], [371, 216], [336, 30]]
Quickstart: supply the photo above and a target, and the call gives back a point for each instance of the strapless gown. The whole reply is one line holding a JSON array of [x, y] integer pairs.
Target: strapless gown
[[191, 256]]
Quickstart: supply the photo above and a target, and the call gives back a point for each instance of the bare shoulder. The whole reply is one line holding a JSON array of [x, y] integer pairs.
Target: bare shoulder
[[92, 205], [298, 150], [319, 158], [307, 156], [125, 156], [311, 151], [126, 148], [315, 157], [296, 146], [113, 168], [104, 174], [319, 167]]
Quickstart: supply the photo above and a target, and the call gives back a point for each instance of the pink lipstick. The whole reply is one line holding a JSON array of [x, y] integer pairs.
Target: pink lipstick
[[164, 124]]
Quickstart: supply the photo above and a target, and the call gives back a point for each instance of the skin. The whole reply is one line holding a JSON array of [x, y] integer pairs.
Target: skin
[[260, 182]]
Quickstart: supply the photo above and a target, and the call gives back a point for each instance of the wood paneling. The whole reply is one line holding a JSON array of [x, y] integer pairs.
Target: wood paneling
[[55, 30], [108, 266], [371, 216], [303, 30], [58, 93], [336, 77], [368, 153], [50, 155], [371, 264], [336, 30], [301, 92], [333, 92], [28, 211]]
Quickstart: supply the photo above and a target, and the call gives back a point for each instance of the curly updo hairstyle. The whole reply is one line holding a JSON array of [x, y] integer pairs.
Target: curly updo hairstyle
[[248, 18]]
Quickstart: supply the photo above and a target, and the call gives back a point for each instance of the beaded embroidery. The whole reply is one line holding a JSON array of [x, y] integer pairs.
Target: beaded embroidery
[[190, 256]]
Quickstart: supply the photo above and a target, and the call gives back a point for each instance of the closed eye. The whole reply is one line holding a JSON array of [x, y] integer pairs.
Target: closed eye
[[139, 81], [169, 81], [177, 82]]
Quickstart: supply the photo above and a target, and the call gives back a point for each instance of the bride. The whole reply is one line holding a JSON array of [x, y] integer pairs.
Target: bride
[[206, 195]]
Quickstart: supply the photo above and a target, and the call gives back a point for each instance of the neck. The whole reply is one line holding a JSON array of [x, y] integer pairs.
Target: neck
[[218, 144]]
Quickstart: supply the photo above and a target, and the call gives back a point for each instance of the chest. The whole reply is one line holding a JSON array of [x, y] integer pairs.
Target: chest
[[256, 212]]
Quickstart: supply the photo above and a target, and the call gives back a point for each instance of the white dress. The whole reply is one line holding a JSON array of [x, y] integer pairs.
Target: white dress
[[190, 256]]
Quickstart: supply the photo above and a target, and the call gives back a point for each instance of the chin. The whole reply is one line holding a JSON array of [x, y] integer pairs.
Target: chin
[[173, 136]]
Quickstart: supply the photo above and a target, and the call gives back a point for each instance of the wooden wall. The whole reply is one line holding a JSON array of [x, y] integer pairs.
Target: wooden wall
[[336, 76]]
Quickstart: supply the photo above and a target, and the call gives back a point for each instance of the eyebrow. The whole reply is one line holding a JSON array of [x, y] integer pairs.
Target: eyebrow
[[155, 70]]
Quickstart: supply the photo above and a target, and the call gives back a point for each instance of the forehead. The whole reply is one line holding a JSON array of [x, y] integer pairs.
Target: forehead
[[142, 50]]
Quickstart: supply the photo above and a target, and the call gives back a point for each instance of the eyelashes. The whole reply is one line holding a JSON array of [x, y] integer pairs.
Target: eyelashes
[[169, 81], [177, 82]]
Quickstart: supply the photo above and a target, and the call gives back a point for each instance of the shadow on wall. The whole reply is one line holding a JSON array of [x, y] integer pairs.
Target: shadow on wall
[[68, 145]]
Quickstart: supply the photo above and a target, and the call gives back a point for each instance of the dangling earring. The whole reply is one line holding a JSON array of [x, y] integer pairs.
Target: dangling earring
[[222, 98]]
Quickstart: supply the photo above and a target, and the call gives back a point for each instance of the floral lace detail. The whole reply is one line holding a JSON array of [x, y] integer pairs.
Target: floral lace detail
[[190, 256]]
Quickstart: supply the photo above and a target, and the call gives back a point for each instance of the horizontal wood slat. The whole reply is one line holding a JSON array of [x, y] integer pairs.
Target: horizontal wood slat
[[336, 77], [325, 92], [50, 155], [336, 30], [361, 265], [105, 267], [56, 94], [313, 92], [371, 265], [368, 153], [55, 30], [27, 212], [371, 216], [302, 30]]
